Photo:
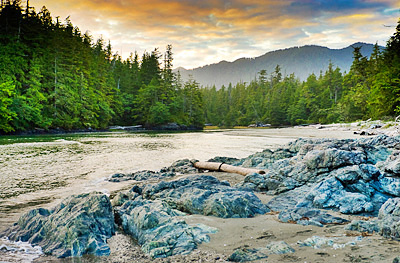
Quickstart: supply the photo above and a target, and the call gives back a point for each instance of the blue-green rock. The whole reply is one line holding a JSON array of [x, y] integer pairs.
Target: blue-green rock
[[206, 195], [159, 229], [80, 224]]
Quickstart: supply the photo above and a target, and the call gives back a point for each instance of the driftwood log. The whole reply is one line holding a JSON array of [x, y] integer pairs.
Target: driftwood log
[[226, 168]]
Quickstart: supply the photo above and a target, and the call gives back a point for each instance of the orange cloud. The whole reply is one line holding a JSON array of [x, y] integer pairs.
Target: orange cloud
[[211, 30]]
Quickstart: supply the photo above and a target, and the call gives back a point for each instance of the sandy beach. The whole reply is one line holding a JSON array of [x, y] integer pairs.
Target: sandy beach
[[258, 232], [337, 244]]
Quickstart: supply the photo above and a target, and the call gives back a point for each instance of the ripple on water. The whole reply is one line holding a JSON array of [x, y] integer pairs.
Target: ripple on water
[[18, 251]]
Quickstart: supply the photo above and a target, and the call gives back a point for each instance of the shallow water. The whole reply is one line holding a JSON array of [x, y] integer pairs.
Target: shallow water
[[39, 171]]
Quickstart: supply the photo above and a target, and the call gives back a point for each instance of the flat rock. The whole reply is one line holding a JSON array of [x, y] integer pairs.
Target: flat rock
[[307, 216], [244, 254]]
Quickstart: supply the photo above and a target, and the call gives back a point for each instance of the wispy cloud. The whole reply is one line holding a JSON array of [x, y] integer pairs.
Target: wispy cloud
[[207, 31]]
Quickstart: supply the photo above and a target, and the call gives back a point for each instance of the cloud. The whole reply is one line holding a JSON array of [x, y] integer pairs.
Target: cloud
[[207, 31]]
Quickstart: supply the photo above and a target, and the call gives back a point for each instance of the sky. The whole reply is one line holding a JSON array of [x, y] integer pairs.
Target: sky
[[203, 32]]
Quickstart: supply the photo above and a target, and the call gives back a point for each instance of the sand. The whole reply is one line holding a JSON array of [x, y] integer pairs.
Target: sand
[[258, 232]]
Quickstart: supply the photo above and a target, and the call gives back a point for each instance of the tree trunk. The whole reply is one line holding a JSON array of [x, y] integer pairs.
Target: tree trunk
[[212, 166]]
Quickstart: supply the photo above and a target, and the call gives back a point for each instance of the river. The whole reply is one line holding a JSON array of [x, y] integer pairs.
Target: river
[[39, 171]]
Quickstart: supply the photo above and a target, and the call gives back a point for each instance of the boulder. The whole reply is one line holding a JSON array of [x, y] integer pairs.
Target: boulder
[[331, 193], [279, 247], [351, 176], [307, 216], [247, 254], [153, 214], [184, 166], [389, 219], [206, 195], [363, 226], [387, 224], [80, 224], [159, 229], [244, 254], [316, 242]]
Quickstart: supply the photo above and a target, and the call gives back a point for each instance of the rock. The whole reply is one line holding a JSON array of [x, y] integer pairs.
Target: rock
[[279, 247], [393, 166], [389, 185], [351, 176], [310, 161], [332, 194], [389, 219], [364, 226], [316, 242], [201, 194], [288, 200], [171, 127], [247, 254], [152, 214], [387, 224], [322, 242], [227, 160], [264, 159], [123, 196], [158, 228], [140, 176], [307, 216], [80, 224], [184, 166], [332, 158]]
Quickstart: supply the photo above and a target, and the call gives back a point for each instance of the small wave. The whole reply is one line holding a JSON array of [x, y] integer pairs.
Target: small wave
[[18, 251]]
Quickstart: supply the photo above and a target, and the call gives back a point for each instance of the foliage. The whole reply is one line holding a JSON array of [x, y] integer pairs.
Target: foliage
[[371, 89], [53, 76]]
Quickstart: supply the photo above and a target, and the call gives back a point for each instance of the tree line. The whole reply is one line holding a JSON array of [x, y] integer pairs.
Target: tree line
[[371, 89], [55, 76]]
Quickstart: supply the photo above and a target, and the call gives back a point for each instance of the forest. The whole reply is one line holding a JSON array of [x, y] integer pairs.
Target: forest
[[53, 76], [371, 89]]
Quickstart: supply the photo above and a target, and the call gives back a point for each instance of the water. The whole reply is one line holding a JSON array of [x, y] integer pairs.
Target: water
[[39, 171]]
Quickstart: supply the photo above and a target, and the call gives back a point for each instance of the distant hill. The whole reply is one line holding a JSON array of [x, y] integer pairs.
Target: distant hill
[[302, 61]]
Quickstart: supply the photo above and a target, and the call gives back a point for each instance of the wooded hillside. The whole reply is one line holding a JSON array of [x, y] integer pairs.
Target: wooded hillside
[[55, 76], [371, 89], [301, 61]]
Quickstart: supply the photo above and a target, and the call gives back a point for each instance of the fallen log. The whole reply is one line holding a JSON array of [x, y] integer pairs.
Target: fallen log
[[226, 168]]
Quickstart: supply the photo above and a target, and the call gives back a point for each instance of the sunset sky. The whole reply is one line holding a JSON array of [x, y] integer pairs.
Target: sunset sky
[[208, 31]]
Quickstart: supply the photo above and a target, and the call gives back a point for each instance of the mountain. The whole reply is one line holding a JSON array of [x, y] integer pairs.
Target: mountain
[[302, 61]]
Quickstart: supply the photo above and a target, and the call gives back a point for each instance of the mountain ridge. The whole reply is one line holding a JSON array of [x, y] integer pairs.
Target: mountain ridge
[[300, 60]]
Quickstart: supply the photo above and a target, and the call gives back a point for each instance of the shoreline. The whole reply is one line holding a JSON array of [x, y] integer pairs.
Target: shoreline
[[368, 128], [218, 250]]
